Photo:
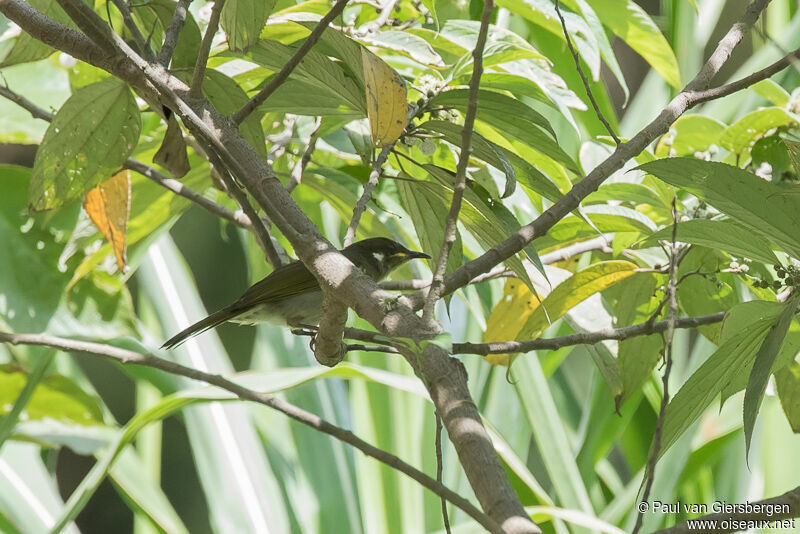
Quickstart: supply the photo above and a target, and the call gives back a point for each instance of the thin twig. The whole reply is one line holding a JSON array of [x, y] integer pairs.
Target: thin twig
[[574, 53], [148, 360], [440, 468], [174, 30], [700, 97], [277, 80], [451, 221], [260, 230], [583, 338], [366, 195], [196, 87], [375, 25], [127, 18], [672, 285], [236, 217], [301, 164], [562, 254]]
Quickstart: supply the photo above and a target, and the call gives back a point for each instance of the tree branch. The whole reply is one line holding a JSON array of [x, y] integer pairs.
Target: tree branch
[[196, 87], [127, 18], [451, 221], [575, 57], [623, 152], [236, 217], [277, 80], [301, 164], [672, 298], [584, 338], [366, 195], [562, 254], [129, 357], [784, 506], [173, 32]]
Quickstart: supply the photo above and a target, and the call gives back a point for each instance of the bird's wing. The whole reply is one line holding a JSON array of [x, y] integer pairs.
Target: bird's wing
[[286, 281]]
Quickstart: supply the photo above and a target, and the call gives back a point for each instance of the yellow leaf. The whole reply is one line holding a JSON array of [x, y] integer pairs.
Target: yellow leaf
[[108, 206], [520, 316], [386, 99], [509, 316]]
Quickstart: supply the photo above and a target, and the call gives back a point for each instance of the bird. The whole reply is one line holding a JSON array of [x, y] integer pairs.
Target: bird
[[290, 295]]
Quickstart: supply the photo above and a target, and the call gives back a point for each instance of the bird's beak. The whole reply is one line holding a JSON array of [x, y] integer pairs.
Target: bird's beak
[[414, 255]]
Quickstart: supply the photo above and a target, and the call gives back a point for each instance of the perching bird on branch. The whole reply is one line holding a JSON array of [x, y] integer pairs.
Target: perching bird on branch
[[290, 295]]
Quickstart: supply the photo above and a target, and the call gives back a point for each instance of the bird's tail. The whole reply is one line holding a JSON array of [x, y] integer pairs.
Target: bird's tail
[[215, 319]]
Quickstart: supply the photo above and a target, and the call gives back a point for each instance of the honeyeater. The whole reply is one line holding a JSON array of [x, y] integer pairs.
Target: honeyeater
[[290, 295]]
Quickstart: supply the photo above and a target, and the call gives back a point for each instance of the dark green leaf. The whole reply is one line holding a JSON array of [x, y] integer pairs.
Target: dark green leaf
[[761, 206], [762, 367], [723, 235], [788, 382]]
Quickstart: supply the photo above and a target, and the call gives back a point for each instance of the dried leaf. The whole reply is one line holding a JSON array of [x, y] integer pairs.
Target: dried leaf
[[109, 205], [386, 99]]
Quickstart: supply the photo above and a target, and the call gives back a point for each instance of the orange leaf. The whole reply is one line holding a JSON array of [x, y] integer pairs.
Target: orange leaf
[[109, 205]]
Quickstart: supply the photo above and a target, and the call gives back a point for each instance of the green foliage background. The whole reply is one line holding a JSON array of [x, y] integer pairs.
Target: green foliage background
[[186, 464]]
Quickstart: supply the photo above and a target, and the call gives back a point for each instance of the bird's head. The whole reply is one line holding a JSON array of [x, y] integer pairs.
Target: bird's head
[[378, 256]]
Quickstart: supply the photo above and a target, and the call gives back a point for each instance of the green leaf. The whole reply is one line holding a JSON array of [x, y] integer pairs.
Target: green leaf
[[753, 125], [762, 366], [491, 104], [475, 216], [734, 354], [550, 434], [634, 26], [787, 380], [228, 97], [481, 148], [718, 234], [41, 82], [772, 92], [542, 13], [761, 206], [90, 137], [692, 133], [23, 397], [574, 290], [428, 216], [243, 20], [27, 49], [156, 15], [316, 69], [55, 396], [409, 45], [30, 278]]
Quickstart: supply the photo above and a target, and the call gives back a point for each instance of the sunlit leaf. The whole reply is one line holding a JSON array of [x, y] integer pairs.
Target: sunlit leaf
[[787, 381], [242, 21], [386, 99]]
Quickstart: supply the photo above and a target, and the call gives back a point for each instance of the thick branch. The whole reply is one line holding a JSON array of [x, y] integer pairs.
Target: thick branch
[[282, 75], [328, 347], [784, 506], [298, 414], [451, 221], [623, 152]]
